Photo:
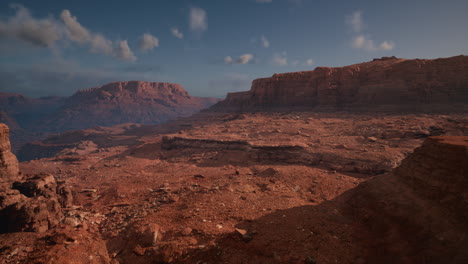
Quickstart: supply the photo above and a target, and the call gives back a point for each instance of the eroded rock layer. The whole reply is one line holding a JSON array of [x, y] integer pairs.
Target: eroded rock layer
[[388, 83], [9, 170]]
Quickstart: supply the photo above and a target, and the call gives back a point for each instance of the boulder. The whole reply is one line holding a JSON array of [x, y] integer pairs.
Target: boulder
[[36, 214]]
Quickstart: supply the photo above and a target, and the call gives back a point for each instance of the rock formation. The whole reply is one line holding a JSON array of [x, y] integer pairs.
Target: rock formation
[[245, 152], [123, 102], [9, 170], [438, 171], [384, 84], [114, 103], [27, 204], [418, 213]]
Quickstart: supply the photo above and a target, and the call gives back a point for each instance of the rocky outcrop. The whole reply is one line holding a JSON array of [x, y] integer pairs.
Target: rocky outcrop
[[243, 152], [123, 102], [382, 84], [419, 212], [32, 204], [438, 170], [9, 170]]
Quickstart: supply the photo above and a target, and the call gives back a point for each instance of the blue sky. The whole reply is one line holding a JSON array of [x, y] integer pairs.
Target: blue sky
[[52, 47]]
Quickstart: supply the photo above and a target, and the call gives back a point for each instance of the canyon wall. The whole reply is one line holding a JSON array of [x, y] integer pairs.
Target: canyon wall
[[388, 83]]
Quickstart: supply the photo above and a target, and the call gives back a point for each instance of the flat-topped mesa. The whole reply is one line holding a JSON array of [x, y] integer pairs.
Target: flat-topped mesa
[[386, 83], [9, 170], [125, 102], [132, 89]]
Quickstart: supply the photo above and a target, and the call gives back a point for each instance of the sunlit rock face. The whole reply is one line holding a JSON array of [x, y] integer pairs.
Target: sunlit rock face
[[387, 83]]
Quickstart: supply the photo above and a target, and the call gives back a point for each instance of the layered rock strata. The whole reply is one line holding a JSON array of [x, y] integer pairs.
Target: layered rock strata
[[386, 84]]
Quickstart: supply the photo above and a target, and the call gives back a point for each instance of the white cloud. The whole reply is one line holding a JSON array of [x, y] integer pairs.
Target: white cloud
[[148, 42], [100, 44], [355, 21], [280, 59], [265, 42], [39, 32], [243, 59], [198, 19], [361, 41], [387, 45], [47, 32], [97, 42], [76, 32], [228, 60], [366, 43], [123, 51], [309, 62], [176, 33]]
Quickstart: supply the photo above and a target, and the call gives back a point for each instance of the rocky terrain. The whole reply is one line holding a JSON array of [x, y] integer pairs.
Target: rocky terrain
[[341, 165], [295, 187], [386, 84], [114, 103]]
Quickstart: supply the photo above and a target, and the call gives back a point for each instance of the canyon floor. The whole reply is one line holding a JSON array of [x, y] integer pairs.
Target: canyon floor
[[238, 188]]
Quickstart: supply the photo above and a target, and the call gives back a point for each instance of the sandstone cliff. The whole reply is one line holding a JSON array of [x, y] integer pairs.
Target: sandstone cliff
[[388, 83]]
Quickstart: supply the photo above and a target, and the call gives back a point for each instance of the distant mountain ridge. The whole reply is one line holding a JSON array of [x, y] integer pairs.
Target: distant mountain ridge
[[122, 102], [107, 105], [388, 83]]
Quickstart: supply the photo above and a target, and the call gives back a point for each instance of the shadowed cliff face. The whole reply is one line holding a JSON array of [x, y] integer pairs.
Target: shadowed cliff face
[[418, 212], [386, 84]]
